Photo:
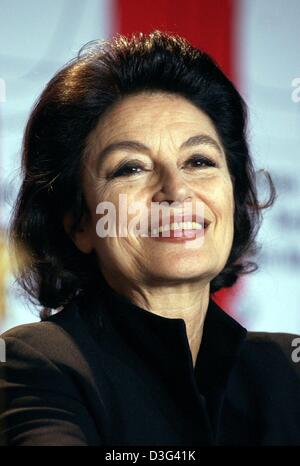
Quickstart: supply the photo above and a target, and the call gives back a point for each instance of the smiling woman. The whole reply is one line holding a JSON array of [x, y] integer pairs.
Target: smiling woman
[[172, 165], [140, 354]]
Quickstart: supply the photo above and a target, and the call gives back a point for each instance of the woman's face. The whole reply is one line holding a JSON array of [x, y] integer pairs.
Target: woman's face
[[194, 174]]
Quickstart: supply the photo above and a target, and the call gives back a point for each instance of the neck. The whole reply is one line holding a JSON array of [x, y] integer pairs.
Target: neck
[[188, 301]]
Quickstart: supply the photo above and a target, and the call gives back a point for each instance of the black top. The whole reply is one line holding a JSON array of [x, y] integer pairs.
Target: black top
[[105, 372]]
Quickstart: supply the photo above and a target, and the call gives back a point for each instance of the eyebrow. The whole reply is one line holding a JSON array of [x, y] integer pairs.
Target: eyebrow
[[136, 146]]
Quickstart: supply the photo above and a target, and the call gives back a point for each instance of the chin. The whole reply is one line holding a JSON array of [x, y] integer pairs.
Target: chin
[[182, 270]]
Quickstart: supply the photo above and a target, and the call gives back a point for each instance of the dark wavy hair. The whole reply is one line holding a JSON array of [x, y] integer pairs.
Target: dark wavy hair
[[52, 270]]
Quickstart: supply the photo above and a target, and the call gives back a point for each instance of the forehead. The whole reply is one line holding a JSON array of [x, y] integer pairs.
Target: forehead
[[151, 114]]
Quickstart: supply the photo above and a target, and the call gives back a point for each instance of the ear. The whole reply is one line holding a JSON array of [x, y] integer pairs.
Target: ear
[[82, 237]]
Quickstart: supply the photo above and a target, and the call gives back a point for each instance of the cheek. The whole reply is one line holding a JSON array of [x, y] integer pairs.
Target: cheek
[[225, 206], [217, 193], [128, 209], [225, 215], [226, 203]]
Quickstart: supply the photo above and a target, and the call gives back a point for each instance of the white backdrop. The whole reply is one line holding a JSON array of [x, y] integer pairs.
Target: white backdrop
[[268, 60]]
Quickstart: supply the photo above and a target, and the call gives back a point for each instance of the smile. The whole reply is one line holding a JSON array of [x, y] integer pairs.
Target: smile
[[177, 226]]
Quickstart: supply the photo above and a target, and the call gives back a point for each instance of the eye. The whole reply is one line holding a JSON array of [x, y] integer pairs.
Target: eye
[[127, 169], [200, 161]]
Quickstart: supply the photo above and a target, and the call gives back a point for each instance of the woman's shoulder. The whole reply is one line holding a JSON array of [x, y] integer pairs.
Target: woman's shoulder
[[58, 339], [280, 338], [41, 333], [46, 376], [286, 342], [273, 352]]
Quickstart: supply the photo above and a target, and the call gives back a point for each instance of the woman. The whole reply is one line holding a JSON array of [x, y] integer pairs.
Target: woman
[[140, 354]]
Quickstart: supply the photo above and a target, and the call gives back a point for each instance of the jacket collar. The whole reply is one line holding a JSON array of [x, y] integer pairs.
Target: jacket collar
[[161, 344], [221, 340]]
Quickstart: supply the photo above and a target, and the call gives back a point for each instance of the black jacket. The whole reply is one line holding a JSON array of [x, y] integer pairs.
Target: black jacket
[[105, 372]]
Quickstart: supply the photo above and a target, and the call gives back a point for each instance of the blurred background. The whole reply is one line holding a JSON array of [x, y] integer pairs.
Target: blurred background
[[256, 42]]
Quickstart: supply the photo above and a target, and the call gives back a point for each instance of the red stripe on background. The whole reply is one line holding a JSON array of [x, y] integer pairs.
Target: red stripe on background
[[206, 24]]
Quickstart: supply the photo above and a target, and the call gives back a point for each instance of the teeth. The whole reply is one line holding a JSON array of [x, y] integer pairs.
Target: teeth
[[178, 226]]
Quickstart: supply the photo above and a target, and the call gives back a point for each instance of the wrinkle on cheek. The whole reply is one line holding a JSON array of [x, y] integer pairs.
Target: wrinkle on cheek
[[229, 193], [129, 254], [219, 199]]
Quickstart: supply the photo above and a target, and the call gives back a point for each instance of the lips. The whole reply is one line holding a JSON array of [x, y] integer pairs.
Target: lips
[[178, 225]]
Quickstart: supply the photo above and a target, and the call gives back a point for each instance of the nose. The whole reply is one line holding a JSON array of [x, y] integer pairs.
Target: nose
[[172, 188]]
